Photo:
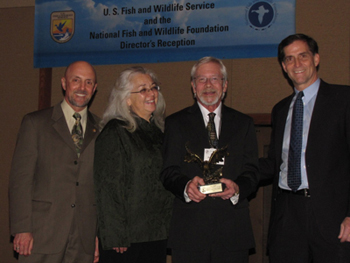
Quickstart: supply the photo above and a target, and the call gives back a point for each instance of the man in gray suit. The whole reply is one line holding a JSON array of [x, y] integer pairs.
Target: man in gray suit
[[52, 203]]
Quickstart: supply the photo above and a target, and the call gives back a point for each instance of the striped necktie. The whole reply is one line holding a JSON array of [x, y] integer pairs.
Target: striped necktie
[[213, 139]]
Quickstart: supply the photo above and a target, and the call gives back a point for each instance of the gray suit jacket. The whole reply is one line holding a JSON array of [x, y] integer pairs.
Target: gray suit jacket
[[49, 185]]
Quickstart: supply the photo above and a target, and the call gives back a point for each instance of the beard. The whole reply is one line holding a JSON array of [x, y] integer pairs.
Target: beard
[[201, 98], [82, 104]]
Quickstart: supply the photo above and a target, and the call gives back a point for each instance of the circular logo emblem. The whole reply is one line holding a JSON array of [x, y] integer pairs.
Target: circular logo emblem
[[261, 15]]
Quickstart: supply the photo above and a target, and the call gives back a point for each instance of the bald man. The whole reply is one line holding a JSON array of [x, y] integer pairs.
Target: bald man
[[52, 203]]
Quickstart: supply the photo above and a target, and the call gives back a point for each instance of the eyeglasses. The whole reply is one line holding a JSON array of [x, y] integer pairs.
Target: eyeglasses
[[213, 80], [154, 89]]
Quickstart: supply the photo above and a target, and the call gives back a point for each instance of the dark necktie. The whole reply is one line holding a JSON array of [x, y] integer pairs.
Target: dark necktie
[[213, 139], [296, 138], [77, 133]]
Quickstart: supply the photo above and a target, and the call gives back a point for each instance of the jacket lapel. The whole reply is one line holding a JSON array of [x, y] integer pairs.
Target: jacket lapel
[[320, 112], [227, 127], [196, 119], [61, 127], [91, 131], [281, 118]]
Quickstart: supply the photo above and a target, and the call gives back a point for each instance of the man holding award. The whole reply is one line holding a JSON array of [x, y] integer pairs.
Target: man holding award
[[211, 166]]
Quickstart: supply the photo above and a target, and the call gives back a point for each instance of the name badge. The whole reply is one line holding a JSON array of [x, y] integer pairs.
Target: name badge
[[207, 154]]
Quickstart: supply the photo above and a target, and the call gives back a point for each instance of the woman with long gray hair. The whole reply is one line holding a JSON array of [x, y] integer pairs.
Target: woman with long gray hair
[[134, 209]]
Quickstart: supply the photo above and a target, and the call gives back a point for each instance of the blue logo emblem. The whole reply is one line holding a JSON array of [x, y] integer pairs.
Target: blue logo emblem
[[261, 15]]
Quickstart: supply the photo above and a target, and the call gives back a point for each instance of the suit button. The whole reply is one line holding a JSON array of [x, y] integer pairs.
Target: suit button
[[72, 205], [75, 162]]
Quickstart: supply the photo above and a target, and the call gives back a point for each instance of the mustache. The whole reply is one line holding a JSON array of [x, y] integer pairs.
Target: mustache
[[80, 92], [209, 90]]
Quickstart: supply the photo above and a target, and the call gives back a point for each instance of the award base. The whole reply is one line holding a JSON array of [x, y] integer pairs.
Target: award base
[[211, 188]]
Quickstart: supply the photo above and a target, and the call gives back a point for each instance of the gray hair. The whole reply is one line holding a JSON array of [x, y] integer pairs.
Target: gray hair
[[117, 107], [205, 60]]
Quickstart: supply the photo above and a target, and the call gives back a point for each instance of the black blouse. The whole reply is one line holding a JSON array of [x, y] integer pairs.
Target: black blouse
[[133, 205]]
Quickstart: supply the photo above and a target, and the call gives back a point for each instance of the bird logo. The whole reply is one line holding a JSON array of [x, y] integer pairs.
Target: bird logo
[[261, 15], [62, 26], [261, 12]]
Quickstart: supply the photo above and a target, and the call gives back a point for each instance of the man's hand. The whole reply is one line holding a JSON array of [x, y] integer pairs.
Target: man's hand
[[23, 243], [192, 189], [230, 190], [120, 249], [97, 252], [344, 234]]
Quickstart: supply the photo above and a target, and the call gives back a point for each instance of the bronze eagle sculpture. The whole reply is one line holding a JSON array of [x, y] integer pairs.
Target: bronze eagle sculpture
[[206, 166]]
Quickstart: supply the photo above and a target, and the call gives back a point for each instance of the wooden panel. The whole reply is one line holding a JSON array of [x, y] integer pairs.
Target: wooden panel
[[260, 204], [45, 83], [263, 119]]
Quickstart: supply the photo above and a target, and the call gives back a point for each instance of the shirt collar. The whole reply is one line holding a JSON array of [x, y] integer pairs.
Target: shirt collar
[[205, 112], [68, 111], [310, 91]]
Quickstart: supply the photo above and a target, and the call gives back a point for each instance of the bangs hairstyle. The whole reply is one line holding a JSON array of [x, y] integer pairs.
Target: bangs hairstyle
[[117, 107]]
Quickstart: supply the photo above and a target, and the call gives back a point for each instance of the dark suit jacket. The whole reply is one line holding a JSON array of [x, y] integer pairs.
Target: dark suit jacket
[[327, 156], [50, 185], [195, 226]]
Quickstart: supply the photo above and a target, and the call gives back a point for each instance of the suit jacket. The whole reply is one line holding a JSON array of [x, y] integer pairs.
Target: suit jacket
[[195, 226], [327, 157], [49, 185]]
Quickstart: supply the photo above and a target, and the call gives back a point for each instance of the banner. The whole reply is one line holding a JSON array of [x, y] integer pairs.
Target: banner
[[133, 31]]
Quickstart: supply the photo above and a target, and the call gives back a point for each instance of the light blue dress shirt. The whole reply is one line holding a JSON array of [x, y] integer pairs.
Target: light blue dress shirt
[[310, 94]]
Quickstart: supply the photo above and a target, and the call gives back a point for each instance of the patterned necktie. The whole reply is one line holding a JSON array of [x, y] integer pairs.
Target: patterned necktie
[[213, 139], [77, 133], [296, 139]]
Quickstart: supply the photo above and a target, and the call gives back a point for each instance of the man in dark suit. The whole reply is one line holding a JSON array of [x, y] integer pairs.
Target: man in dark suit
[[52, 206], [310, 219], [214, 227]]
